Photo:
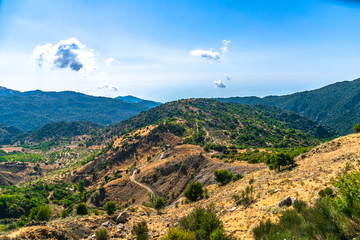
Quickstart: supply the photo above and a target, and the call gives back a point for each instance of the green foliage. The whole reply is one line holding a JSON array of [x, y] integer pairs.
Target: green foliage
[[140, 230], [246, 196], [21, 157], [159, 203], [357, 128], [219, 234], [179, 234], [327, 192], [110, 207], [223, 176], [194, 191], [102, 234], [64, 213], [203, 223], [278, 160], [41, 213], [82, 209]]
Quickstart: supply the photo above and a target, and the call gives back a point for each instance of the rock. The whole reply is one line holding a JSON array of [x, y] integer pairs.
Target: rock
[[293, 200], [107, 224], [276, 190], [122, 217], [232, 209], [285, 202], [120, 226]]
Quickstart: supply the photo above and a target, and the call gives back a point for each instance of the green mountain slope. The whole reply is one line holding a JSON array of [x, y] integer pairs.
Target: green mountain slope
[[336, 105], [31, 110], [230, 123], [132, 99], [7, 133]]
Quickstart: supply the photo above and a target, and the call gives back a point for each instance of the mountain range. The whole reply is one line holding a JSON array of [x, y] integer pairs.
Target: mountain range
[[33, 109], [336, 105]]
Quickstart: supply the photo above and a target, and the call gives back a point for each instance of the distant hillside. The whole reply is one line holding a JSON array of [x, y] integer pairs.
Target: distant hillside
[[132, 99], [336, 105], [32, 110], [244, 125], [7, 133]]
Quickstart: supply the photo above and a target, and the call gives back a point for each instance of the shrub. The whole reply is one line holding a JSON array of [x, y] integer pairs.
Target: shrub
[[102, 234], [223, 176], [141, 231], [327, 192], [278, 160], [179, 234], [194, 191], [219, 234], [41, 213], [357, 128], [203, 223], [82, 209], [237, 177], [64, 213], [110, 207]]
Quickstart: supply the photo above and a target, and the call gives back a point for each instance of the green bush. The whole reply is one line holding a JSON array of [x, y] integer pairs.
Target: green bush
[[179, 234], [141, 231], [110, 207], [194, 191], [277, 160], [102, 234], [159, 203], [223, 176], [64, 213], [82, 209], [357, 128], [42, 213]]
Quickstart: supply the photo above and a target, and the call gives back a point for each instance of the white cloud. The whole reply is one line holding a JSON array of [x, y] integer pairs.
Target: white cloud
[[219, 84], [109, 60], [224, 47], [110, 88], [68, 53], [211, 54], [208, 54], [227, 77]]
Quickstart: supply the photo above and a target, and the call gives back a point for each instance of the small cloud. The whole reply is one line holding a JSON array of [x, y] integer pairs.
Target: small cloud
[[208, 54], [109, 60], [224, 47], [68, 53], [227, 77], [108, 88], [211, 54], [219, 84]]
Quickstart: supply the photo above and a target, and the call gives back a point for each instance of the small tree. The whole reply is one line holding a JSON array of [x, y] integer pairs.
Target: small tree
[[64, 213], [223, 176], [141, 231], [159, 203], [110, 207], [357, 128], [194, 191], [277, 160], [82, 209]]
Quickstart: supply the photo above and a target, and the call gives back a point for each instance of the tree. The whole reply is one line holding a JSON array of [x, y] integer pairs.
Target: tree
[[194, 191], [140, 230], [64, 213], [159, 203], [110, 207], [42, 213], [223, 176], [82, 209], [277, 160], [357, 128]]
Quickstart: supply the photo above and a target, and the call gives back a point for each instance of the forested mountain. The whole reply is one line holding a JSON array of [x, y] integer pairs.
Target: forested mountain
[[336, 105], [32, 110], [233, 123], [132, 99]]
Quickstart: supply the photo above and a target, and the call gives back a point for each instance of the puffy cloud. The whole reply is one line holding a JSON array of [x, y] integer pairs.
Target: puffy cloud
[[68, 53], [211, 54], [109, 60], [108, 88], [227, 77], [219, 84], [208, 54]]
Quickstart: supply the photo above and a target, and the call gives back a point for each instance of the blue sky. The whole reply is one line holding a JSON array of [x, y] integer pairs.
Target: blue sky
[[142, 47]]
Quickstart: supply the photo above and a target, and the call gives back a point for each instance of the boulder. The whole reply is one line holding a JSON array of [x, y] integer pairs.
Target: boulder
[[293, 200], [285, 202], [122, 217]]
